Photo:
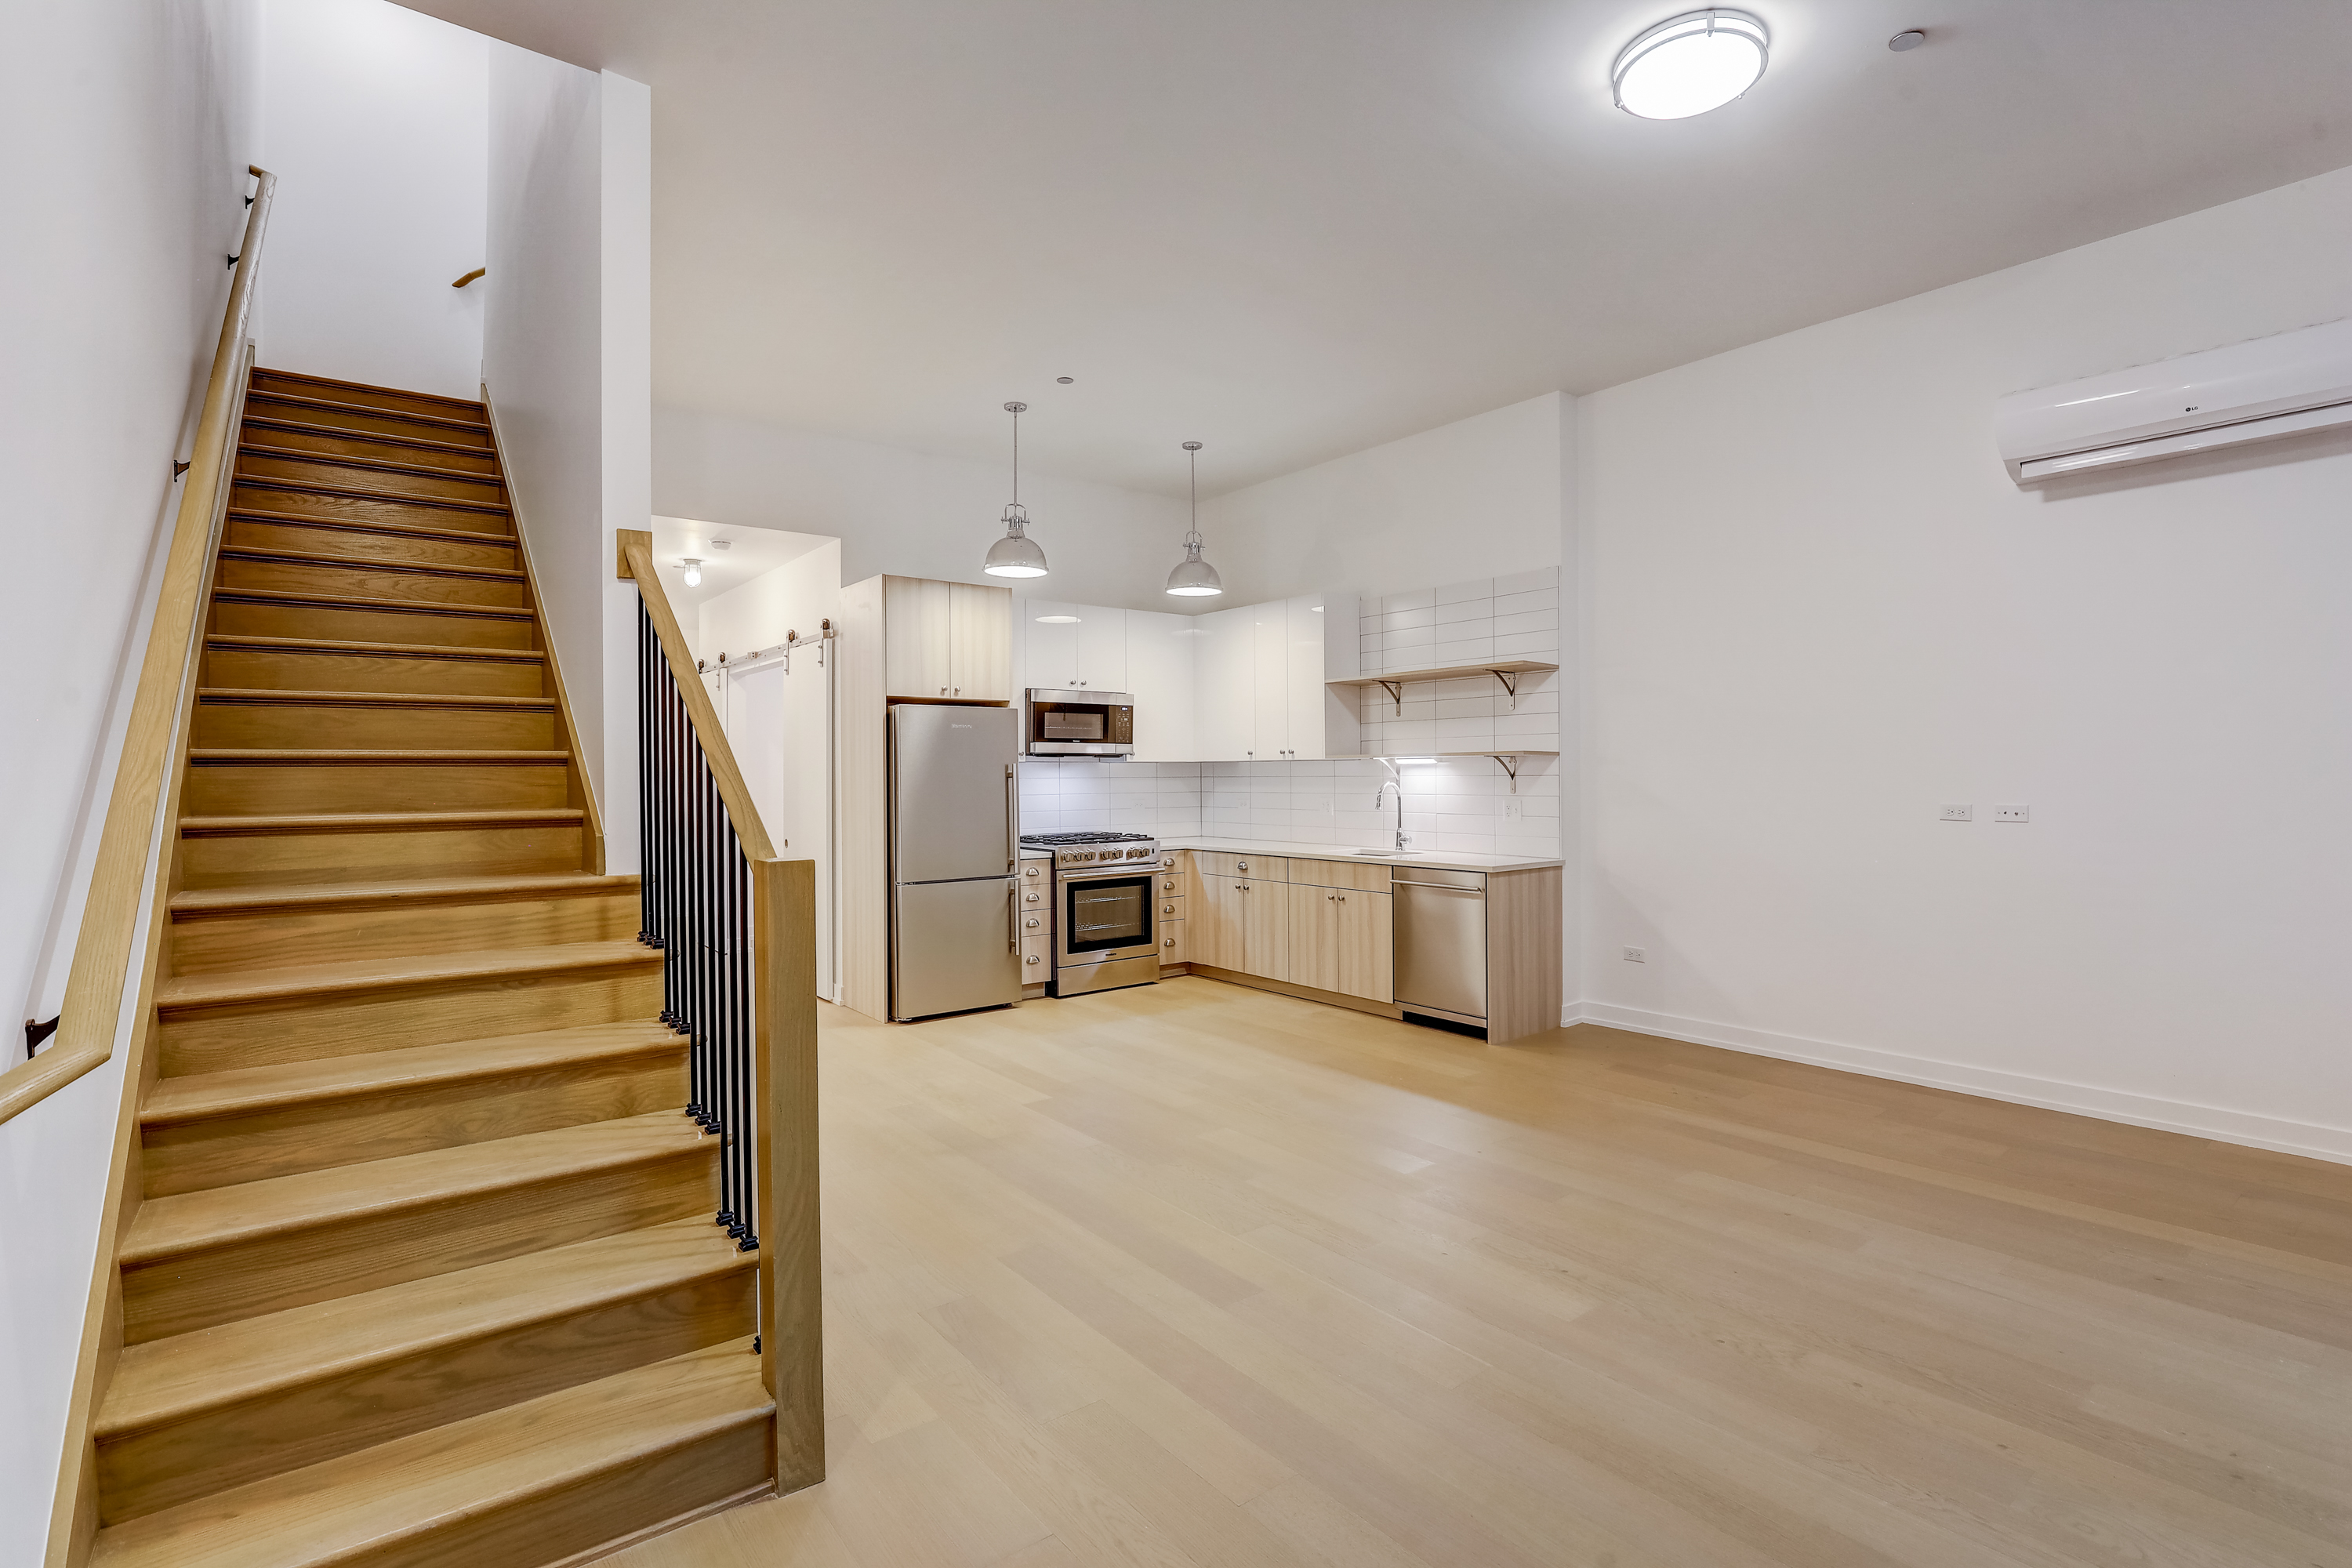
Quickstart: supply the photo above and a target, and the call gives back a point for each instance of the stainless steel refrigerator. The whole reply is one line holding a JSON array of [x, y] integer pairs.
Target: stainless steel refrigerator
[[954, 847]]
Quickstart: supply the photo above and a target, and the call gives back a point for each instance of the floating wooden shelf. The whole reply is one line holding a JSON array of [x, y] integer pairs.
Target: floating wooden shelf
[[1502, 669], [1509, 759]]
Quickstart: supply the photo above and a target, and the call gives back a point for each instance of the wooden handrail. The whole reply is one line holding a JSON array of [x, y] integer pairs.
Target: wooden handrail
[[93, 1013], [636, 559]]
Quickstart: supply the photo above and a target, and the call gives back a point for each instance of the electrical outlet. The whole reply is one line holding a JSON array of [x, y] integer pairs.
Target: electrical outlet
[[1956, 812], [2013, 814], [1637, 955]]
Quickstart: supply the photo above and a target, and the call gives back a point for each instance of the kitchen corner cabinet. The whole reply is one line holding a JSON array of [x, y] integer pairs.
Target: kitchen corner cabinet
[[946, 641], [1259, 674], [1326, 925]]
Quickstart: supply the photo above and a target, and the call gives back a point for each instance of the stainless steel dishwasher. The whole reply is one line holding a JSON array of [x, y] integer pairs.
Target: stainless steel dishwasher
[[1441, 943]]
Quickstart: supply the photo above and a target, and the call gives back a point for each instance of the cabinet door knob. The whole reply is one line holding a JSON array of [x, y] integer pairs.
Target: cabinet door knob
[[943, 691]]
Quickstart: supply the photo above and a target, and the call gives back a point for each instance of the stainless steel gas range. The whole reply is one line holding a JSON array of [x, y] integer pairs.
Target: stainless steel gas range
[[1106, 927]]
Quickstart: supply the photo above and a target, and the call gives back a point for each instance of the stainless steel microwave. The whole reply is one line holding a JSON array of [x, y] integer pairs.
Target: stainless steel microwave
[[1077, 723]]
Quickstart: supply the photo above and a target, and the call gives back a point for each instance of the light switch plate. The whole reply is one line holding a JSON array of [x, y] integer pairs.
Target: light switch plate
[[1637, 955], [1956, 812]]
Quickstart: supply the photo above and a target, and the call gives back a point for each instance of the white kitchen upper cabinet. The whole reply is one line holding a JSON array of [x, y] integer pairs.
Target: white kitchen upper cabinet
[[1269, 682], [1102, 648], [1225, 653], [1052, 645], [1159, 676], [1320, 721]]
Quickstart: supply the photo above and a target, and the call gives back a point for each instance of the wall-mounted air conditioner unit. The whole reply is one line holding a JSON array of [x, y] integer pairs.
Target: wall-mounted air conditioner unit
[[2272, 386]]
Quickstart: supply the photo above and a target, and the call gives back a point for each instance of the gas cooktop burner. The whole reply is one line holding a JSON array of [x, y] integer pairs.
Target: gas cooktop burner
[[1050, 840]]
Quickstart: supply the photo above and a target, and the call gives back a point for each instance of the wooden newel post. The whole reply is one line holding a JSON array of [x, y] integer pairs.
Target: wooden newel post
[[784, 1003]]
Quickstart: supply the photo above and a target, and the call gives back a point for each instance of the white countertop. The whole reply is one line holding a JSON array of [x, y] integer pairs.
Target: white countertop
[[1443, 859]]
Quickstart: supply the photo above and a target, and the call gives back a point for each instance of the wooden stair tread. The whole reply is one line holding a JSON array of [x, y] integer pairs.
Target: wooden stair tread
[[374, 465], [239, 1091], [344, 756], [382, 438], [455, 405], [291, 895], [390, 649], [372, 563], [293, 697], [366, 525], [261, 823], [170, 1379], [361, 492], [408, 1489], [372, 410], [213, 990], [369, 602], [181, 1223]]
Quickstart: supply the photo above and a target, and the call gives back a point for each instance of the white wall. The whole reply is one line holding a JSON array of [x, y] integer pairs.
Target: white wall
[[1819, 609], [778, 711], [566, 355], [1479, 497], [375, 121], [914, 513], [129, 127]]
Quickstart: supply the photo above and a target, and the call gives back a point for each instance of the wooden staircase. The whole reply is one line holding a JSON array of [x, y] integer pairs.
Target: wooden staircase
[[422, 1268]]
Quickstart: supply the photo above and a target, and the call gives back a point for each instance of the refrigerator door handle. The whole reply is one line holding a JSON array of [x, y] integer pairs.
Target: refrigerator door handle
[[1012, 917], [1012, 819]]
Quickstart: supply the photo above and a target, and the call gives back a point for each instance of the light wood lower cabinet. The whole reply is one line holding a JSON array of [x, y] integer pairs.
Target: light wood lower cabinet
[[1173, 946], [1342, 939], [1266, 929], [1220, 922]]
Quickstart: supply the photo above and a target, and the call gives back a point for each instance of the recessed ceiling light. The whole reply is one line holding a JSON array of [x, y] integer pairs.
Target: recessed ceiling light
[[1057, 620], [1909, 39], [1688, 65]]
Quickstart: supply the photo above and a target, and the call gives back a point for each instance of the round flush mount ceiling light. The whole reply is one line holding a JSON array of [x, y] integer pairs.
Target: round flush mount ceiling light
[[693, 570], [1910, 38], [1695, 62]]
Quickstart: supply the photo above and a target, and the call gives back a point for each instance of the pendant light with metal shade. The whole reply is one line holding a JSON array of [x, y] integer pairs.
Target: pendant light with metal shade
[[1194, 578], [1016, 554]]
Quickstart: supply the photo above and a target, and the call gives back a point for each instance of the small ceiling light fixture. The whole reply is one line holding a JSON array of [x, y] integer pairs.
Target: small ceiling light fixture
[[1695, 62], [722, 544], [1016, 554], [1908, 40], [1194, 578], [1064, 379], [693, 570]]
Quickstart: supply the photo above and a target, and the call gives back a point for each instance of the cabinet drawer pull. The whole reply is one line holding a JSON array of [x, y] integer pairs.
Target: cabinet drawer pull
[[1032, 958]]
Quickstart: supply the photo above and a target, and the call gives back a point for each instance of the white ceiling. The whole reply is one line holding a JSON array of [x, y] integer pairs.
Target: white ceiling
[[748, 553], [1295, 228]]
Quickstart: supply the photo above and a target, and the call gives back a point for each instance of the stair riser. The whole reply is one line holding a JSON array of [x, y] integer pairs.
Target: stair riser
[[256, 534], [266, 381], [243, 860], [301, 502], [188, 1292], [344, 726], [316, 1137], [354, 476], [262, 406], [239, 790], [279, 670], [292, 1427], [386, 581], [210, 943], [353, 445], [247, 1035], [233, 617]]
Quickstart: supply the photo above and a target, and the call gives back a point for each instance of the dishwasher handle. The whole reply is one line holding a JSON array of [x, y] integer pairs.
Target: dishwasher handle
[[1440, 887]]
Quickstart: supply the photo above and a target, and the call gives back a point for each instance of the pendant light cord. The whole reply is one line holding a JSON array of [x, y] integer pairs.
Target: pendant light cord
[[1193, 457]]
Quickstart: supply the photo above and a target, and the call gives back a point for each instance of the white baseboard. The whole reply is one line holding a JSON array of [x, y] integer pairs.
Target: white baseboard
[[2310, 1138]]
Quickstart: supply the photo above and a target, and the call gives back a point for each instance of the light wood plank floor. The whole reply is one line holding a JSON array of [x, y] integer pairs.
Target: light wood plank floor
[[1196, 1275]]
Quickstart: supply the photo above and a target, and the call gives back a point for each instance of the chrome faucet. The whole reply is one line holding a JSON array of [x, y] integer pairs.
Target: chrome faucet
[[1402, 837]]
